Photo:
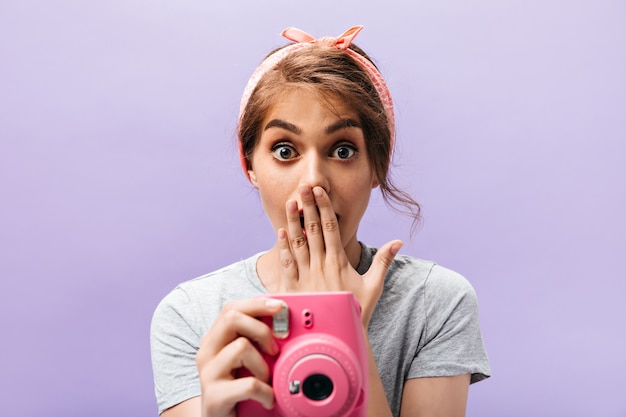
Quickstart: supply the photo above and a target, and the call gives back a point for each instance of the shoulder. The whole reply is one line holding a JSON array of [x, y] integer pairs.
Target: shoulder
[[436, 280], [410, 271], [236, 276], [427, 288], [202, 297], [442, 290], [404, 269], [445, 283]]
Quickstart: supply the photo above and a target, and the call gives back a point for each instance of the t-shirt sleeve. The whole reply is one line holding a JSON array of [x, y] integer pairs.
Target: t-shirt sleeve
[[173, 344], [452, 343]]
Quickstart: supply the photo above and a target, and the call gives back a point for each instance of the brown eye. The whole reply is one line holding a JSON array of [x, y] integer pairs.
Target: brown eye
[[344, 152], [284, 152]]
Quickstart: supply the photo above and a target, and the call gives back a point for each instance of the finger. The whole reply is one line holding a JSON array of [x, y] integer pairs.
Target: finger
[[240, 353], [328, 220], [375, 276], [297, 240], [257, 391], [289, 276], [312, 224], [234, 391], [238, 318]]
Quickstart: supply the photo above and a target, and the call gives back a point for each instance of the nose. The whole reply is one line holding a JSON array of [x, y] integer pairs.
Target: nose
[[316, 172]]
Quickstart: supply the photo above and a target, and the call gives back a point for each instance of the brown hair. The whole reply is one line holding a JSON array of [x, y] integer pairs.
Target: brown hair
[[331, 73]]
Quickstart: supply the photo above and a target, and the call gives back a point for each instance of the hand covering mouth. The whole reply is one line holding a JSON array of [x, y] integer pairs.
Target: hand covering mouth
[[302, 220]]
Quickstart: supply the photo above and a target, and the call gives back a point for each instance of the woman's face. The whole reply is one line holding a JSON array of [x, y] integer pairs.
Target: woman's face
[[307, 142]]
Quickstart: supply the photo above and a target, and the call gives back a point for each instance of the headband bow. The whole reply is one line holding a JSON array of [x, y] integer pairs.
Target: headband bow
[[304, 40], [342, 41]]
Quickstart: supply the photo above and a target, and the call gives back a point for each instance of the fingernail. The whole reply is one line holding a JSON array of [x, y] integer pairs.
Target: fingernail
[[292, 205], [395, 248], [304, 189], [318, 192], [269, 406], [273, 303], [274, 347]]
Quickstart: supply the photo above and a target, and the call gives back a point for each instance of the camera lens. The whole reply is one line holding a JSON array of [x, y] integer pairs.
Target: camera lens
[[317, 387]]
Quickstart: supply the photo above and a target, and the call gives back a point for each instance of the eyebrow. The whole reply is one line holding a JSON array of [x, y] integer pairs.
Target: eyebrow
[[340, 124], [283, 125]]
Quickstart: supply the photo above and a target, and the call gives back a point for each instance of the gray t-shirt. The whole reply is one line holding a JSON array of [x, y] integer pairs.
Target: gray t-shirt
[[424, 325]]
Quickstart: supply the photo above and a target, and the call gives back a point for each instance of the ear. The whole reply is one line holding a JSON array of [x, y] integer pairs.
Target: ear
[[252, 177], [375, 182]]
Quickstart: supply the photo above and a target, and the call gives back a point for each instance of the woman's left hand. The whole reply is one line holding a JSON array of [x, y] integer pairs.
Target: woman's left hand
[[317, 261]]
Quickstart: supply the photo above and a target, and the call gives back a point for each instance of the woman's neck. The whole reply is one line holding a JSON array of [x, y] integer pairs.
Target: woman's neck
[[268, 267]]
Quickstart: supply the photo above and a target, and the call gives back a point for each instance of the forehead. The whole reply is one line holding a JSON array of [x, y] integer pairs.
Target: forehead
[[329, 101]]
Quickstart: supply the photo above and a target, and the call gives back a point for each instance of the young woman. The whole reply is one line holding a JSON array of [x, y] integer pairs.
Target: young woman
[[316, 134]]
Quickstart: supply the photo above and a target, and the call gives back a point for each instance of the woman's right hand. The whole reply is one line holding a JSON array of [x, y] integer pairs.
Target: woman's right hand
[[230, 344]]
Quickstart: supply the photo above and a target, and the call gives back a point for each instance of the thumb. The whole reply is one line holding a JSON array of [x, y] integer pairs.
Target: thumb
[[383, 259], [374, 279]]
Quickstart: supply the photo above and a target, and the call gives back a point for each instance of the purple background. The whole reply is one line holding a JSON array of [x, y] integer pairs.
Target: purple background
[[119, 179]]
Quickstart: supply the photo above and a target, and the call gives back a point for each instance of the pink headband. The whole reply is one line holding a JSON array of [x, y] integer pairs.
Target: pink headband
[[303, 40]]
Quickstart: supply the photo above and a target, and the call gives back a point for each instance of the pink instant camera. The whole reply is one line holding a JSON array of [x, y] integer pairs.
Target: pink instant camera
[[321, 370]]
